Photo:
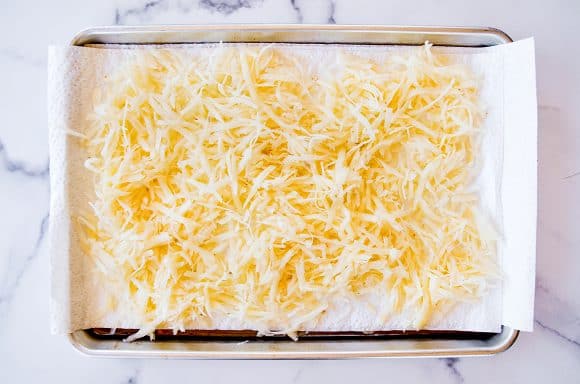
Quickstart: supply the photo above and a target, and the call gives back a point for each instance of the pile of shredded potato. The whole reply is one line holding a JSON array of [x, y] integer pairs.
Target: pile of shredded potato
[[244, 182]]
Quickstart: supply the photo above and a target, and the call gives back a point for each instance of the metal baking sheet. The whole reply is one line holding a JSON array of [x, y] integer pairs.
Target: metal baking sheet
[[240, 345]]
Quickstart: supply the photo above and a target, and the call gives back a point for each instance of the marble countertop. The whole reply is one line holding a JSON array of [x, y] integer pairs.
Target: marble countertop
[[28, 353]]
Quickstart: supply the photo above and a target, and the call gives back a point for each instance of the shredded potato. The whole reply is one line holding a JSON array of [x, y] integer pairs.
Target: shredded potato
[[245, 183]]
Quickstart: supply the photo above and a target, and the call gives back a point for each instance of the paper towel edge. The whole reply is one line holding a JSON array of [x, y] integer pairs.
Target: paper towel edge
[[519, 185], [58, 240]]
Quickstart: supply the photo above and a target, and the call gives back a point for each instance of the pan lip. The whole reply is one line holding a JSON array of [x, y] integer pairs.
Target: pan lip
[[87, 35], [81, 340]]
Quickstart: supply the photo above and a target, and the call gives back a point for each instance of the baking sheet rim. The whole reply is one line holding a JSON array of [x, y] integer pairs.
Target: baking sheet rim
[[79, 338]]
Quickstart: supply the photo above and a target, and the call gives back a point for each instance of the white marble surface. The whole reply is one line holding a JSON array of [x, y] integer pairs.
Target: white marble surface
[[28, 353]]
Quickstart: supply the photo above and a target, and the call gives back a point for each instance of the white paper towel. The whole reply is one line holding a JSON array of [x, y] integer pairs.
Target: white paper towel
[[507, 186]]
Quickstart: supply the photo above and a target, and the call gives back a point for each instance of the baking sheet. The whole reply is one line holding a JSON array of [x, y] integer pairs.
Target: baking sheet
[[508, 93]]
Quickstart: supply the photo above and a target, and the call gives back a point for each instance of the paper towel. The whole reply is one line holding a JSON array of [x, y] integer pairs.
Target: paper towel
[[506, 184]]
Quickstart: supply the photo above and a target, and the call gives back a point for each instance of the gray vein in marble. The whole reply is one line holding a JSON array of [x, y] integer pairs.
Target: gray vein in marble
[[224, 7], [557, 333], [549, 304], [332, 10], [297, 376], [147, 7], [450, 363], [227, 7], [10, 284], [134, 378], [571, 175], [15, 55], [18, 167], [298, 11]]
